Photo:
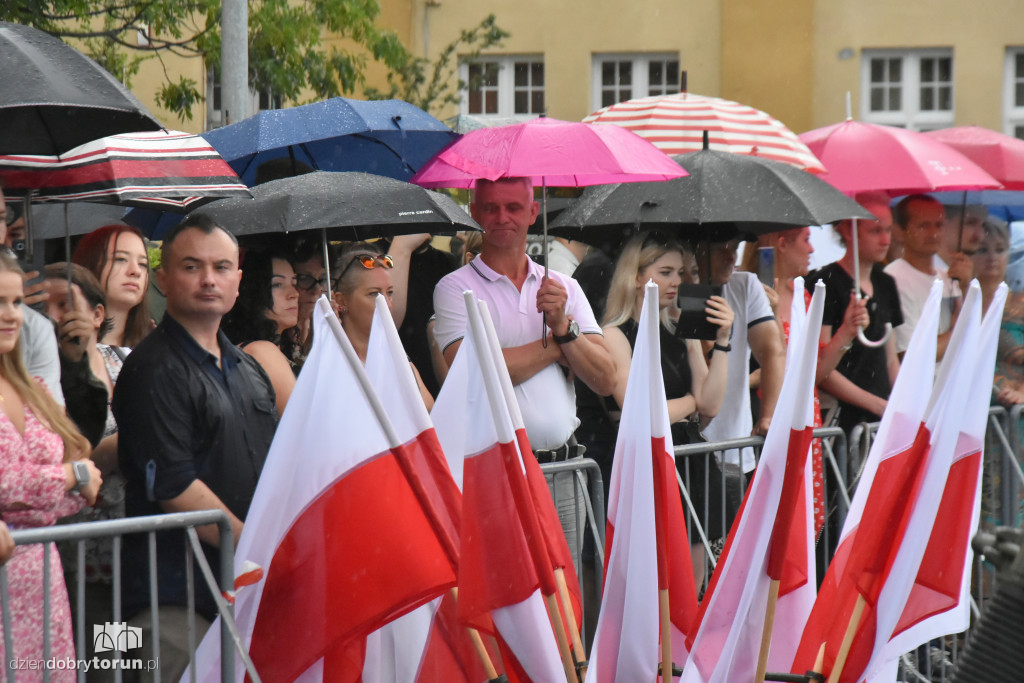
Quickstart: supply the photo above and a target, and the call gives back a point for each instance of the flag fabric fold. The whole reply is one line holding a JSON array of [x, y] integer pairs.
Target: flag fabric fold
[[500, 572], [644, 505], [342, 534], [772, 538], [891, 516]]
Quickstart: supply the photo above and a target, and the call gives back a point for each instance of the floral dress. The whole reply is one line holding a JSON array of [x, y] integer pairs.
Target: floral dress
[[32, 495]]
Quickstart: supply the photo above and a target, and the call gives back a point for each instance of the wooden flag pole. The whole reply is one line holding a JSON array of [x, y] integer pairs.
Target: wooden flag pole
[[844, 648], [666, 636], [766, 634], [570, 617], [478, 643], [560, 637]]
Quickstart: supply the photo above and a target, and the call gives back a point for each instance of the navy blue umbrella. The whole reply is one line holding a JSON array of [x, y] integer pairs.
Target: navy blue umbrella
[[388, 138]]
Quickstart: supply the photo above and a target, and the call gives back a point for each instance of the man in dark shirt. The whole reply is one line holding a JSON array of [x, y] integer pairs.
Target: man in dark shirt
[[196, 417]]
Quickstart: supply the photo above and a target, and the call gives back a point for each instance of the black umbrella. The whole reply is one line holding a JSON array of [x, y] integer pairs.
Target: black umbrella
[[725, 194], [53, 98], [349, 206]]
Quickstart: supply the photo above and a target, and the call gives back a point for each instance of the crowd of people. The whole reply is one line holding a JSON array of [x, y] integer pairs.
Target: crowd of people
[[111, 406]]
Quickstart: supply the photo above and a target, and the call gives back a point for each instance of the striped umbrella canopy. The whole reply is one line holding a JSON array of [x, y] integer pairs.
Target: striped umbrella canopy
[[167, 170], [676, 123]]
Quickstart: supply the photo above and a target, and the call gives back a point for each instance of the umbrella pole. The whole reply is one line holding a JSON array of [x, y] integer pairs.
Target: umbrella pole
[[327, 262], [544, 254], [963, 217], [856, 288]]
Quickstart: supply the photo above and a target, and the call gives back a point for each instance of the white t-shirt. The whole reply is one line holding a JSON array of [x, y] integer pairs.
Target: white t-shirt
[[750, 306], [547, 400], [913, 287]]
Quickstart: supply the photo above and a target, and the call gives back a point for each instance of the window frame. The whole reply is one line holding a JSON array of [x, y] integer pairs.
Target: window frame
[[1013, 115], [506, 87], [640, 74], [910, 115]]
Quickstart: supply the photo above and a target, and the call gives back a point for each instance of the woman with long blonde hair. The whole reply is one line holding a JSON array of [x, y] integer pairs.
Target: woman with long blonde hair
[[45, 474]]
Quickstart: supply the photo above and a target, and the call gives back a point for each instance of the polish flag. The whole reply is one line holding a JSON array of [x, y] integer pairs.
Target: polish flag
[[341, 523], [772, 539], [646, 550], [937, 602], [500, 573], [878, 526]]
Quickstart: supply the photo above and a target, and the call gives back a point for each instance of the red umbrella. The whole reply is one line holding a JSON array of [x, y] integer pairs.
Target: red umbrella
[[169, 170], [675, 124], [868, 157], [1000, 155]]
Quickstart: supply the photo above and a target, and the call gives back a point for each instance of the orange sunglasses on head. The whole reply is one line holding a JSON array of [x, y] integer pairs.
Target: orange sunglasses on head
[[369, 262]]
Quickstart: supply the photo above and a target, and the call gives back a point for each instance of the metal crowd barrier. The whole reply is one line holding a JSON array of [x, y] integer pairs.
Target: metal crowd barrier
[[78, 533]]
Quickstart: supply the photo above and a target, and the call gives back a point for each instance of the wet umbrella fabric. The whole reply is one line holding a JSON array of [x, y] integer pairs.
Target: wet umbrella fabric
[[384, 137], [1001, 156], [350, 206], [149, 169], [54, 98], [724, 195]]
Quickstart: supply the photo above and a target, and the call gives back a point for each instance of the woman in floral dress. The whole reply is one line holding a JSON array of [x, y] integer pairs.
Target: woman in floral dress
[[38, 484]]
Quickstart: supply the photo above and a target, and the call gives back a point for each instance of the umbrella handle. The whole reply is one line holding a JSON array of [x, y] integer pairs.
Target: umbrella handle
[[874, 344]]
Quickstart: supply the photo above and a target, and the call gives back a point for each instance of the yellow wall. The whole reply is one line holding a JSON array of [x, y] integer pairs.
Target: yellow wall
[[767, 57], [569, 32], [979, 32]]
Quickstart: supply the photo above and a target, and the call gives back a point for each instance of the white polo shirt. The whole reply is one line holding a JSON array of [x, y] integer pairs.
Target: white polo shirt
[[547, 400]]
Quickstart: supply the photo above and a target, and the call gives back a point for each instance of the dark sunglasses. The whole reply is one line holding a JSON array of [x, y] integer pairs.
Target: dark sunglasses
[[309, 283], [367, 261]]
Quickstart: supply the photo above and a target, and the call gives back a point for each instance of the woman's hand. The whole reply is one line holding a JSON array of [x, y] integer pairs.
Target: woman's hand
[[773, 297], [91, 490], [855, 318], [73, 333], [6, 543], [1009, 397], [720, 315]]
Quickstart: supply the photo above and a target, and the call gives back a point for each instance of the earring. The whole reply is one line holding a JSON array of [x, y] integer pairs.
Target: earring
[[344, 310]]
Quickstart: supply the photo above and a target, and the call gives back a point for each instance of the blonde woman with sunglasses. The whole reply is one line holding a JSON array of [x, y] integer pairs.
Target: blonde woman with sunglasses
[[363, 274]]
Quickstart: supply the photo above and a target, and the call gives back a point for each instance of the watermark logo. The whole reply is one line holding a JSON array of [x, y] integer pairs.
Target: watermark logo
[[115, 636]]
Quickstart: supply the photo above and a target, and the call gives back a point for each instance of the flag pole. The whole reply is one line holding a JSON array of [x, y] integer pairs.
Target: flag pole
[[478, 643], [766, 634], [401, 453], [844, 648], [527, 516], [579, 651]]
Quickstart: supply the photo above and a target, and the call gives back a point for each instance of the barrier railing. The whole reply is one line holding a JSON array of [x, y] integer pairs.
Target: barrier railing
[[78, 534]]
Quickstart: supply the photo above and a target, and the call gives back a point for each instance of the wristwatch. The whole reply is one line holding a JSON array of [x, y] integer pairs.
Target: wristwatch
[[571, 335], [81, 472]]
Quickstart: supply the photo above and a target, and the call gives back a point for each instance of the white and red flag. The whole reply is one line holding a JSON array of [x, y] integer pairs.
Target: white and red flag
[[772, 539], [504, 563], [937, 602], [647, 551], [890, 521], [341, 522]]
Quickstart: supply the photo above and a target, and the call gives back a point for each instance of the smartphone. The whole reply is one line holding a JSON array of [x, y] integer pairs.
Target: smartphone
[[29, 251], [693, 321], [766, 265]]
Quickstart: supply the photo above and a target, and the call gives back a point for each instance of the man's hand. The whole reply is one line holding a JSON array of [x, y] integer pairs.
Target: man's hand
[[961, 269], [551, 298], [37, 292], [6, 543]]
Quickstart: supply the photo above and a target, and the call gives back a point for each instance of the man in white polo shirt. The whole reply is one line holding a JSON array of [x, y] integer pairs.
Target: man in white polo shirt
[[518, 296]]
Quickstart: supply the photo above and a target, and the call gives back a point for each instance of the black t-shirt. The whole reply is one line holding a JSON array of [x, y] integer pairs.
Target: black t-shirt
[[863, 365], [426, 268], [181, 418]]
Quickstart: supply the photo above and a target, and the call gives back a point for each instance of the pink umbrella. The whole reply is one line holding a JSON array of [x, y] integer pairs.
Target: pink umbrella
[[868, 157], [549, 152], [1000, 155]]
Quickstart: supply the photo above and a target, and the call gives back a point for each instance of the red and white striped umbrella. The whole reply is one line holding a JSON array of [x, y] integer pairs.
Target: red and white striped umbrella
[[167, 170], [676, 123]]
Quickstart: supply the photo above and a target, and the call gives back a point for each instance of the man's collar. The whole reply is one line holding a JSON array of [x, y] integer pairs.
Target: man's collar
[[229, 352], [488, 273]]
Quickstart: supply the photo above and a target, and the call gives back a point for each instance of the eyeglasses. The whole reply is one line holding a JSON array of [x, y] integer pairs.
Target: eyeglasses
[[309, 283], [367, 261]]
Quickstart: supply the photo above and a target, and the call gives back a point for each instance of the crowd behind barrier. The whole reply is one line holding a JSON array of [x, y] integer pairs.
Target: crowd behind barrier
[[1002, 505]]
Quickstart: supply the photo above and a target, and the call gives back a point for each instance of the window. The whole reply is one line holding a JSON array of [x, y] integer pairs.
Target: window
[[908, 88], [621, 77], [503, 86], [265, 99], [1013, 93]]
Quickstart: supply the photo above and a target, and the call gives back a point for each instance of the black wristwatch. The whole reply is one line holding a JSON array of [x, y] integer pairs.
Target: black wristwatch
[[571, 335], [81, 472]]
